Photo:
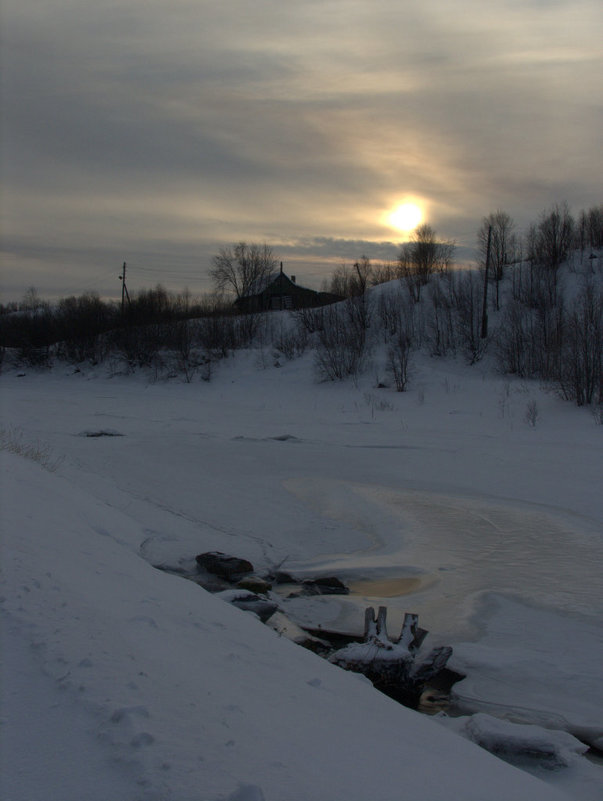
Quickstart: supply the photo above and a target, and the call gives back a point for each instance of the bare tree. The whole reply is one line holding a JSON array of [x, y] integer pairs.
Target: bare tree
[[580, 374], [187, 356], [468, 313], [554, 237], [401, 323], [362, 275], [502, 245], [382, 273], [32, 301], [341, 282], [399, 359], [341, 346], [80, 323], [589, 228], [440, 320], [595, 226], [514, 340], [423, 256], [242, 268], [351, 282]]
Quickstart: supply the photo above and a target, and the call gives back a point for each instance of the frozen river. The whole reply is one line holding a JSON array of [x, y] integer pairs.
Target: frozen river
[[438, 554]]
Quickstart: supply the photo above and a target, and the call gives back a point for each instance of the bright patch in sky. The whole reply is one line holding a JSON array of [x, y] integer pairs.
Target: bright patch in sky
[[405, 217]]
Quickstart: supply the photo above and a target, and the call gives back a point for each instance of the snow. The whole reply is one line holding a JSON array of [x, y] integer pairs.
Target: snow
[[559, 685], [125, 682], [548, 754], [369, 651]]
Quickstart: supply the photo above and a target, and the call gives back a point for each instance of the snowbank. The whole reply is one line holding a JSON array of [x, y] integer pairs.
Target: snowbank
[[188, 697]]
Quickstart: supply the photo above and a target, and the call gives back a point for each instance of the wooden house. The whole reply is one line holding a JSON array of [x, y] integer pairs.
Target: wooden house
[[279, 291]]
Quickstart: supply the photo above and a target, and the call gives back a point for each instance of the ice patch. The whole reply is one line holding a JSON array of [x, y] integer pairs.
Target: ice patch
[[247, 792], [104, 432], [506, 739]]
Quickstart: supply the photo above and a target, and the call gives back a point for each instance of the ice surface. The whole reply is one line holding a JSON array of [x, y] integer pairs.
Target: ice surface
[[553, 748], [533, 664], [554, 756]]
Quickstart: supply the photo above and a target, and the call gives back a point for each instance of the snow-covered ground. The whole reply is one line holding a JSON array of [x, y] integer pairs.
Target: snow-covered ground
[[124, 682]]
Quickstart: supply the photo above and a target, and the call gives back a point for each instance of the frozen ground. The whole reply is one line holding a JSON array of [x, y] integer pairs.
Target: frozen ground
[[497, 524]]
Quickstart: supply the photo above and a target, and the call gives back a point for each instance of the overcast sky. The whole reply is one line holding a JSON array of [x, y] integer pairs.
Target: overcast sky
[[156, 131]]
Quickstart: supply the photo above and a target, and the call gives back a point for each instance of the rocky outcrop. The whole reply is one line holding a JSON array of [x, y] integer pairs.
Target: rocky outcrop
[[230, 568], [254, 584], [325, 585]]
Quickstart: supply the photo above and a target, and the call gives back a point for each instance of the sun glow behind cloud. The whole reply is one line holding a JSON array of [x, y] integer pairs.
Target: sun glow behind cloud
[[404, 216]]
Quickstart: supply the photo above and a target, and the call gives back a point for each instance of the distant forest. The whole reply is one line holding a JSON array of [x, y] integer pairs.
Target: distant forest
[[533, 305]]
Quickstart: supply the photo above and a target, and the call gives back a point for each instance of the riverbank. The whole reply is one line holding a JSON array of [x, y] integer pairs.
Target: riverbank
[[280, 470]]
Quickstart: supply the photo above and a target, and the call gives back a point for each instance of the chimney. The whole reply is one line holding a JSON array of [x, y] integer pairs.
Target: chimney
[[292, 279]]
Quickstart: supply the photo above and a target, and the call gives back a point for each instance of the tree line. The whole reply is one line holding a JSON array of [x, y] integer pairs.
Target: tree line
[[534, 305]]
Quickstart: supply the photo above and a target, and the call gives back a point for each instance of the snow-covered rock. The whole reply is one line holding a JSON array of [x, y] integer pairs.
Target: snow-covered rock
[[508, 739]]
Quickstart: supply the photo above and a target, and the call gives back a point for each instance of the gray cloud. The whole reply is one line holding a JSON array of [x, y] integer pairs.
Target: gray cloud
[[157, 132]]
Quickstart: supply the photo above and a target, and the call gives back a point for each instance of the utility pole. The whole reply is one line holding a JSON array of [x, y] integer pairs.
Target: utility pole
[[484, 333], [281, 285], [124, 291]]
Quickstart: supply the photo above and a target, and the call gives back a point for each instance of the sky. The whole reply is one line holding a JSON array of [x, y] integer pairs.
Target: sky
[[156, 133]]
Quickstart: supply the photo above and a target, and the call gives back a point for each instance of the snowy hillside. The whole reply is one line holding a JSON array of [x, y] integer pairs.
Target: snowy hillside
[[449, 500]]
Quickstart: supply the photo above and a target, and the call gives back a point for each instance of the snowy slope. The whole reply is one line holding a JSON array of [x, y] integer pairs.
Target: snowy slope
[[190, 696], [169, 693]]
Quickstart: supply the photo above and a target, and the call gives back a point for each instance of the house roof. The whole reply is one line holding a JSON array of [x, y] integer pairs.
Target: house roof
[[260, 284], [265, 282]]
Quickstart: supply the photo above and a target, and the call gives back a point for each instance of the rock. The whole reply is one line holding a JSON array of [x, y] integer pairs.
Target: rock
[[254, 584], [281, 577], [261, 607], [220, 564], [211, 584], [287, 628], [325, 585], [249, 602]]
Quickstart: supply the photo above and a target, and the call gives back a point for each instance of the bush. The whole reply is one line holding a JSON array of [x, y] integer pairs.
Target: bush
[[468, 316], [399, 360], [14, 442], [342, 340], [579, 375]]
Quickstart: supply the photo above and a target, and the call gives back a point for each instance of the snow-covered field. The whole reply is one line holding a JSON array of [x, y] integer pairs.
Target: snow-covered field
[[124, 682]]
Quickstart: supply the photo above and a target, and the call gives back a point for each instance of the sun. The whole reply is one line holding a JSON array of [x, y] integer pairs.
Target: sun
[[405, 217]]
